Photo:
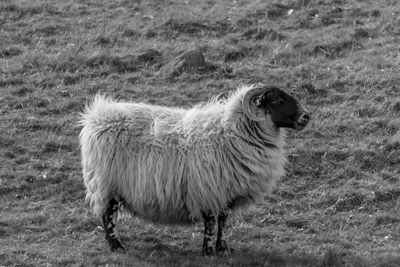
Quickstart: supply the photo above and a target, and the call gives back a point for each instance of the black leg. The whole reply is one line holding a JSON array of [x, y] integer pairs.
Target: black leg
[[209, 229], [221, 246], [109, 217]]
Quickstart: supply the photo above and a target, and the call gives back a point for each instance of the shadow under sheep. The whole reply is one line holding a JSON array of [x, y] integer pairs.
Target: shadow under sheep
[[154, 251]]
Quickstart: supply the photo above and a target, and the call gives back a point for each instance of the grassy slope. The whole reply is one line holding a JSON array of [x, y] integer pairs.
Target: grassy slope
[[338, 204]]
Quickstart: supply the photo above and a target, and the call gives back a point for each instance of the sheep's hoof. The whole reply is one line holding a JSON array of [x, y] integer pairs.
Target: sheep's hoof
[[227, 251], [223, 249], [116, 246]]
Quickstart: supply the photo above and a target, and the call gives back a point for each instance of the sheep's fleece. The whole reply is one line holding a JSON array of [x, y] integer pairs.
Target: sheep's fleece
[[169, 165]]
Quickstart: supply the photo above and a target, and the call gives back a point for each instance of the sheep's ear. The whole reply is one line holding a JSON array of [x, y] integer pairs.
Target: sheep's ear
[[251, 103]]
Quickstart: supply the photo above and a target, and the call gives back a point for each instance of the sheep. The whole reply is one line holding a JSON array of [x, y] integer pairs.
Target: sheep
[[179, 166]]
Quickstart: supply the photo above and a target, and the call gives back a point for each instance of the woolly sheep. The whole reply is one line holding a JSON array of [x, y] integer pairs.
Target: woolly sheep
[[175, 165]]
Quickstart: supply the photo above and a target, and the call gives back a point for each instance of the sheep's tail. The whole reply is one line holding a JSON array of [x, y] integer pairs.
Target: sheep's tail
[[92, 110], [90, 120]]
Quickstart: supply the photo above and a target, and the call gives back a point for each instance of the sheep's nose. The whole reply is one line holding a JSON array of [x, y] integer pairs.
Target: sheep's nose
[[304, 118]]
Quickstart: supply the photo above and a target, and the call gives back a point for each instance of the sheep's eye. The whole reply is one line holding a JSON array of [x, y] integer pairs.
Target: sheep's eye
[[258, 101]]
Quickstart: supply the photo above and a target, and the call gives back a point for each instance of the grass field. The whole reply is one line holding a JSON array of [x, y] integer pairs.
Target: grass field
[[338, 205]]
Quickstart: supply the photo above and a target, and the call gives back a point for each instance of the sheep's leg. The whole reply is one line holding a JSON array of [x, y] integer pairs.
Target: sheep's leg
[[221, 246], [110, 217], [209, 230]]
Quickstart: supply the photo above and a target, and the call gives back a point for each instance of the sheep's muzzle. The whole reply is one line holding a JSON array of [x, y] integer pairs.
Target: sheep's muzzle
[[302, 121]]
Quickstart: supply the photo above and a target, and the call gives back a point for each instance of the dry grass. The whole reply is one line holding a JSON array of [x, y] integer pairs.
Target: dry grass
[[337, 206]]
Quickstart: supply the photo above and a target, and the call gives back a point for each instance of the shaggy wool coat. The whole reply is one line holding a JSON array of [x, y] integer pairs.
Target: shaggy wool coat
[[171, 164]]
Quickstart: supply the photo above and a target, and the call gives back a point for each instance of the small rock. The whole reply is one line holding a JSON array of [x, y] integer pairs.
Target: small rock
[[192, 61]]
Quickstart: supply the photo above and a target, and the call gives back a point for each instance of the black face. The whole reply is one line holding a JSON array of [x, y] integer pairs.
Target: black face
[[284, 109]]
